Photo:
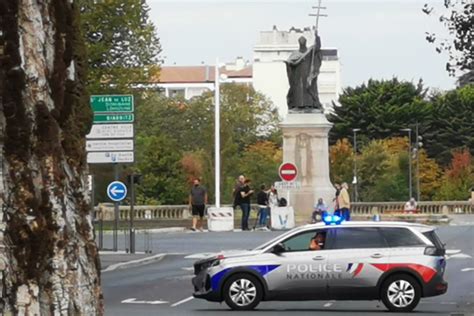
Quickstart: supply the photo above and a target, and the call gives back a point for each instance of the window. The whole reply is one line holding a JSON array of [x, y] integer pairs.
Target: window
[[400, 237], [357, 237], [178, 92], [301, 242], [431, 235]]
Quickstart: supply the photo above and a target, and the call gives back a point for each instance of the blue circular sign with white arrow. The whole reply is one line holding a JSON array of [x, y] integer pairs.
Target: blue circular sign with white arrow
[[117, 191]]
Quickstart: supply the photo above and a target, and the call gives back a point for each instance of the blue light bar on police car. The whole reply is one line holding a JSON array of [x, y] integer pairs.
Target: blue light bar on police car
[[332, 220]]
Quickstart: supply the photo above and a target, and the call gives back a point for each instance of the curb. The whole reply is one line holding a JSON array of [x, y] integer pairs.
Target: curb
[[153, 230], [134, 263]]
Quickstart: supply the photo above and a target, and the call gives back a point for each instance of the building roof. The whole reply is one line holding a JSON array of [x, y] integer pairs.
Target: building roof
[[190, 74]]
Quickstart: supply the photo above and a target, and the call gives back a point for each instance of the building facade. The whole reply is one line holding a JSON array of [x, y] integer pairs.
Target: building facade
[[191, 81]]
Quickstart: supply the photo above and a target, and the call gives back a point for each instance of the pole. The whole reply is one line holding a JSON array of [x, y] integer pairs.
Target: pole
[[418, 193], [217, 157], [132, 213], [97, 216], [410, 184], [315, 38], [356, 184], [116, 212]]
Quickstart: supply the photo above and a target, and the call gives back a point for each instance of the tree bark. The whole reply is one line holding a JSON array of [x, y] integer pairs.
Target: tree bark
[[50, 263]]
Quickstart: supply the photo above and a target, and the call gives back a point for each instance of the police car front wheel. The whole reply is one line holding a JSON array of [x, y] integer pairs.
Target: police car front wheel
[[242, 292], [401, 293]]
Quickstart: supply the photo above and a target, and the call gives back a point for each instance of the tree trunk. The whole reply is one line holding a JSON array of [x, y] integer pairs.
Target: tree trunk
[[50, 263]]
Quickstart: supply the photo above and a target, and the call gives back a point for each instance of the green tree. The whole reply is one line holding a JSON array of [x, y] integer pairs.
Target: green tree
[[260, 163], [451, 125], [383, 170], [373, 164], [122, 45], [247, 118], [379, 108], [164, 181], [459, 21]]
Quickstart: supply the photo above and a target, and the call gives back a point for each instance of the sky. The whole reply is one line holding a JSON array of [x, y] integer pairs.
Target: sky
[[376, 39]]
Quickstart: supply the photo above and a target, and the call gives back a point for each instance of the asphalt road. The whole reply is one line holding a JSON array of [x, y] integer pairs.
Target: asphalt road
[[164, 287]]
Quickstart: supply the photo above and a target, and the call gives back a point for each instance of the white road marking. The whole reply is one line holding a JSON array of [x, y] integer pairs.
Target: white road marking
[[452, 251], [467, 269], [134, 301], [188, 269], [328, 304], [459, 256], [182, 301]]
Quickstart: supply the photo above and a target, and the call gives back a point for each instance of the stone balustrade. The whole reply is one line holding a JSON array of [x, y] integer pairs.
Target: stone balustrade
[[149, 212], [428, 208]]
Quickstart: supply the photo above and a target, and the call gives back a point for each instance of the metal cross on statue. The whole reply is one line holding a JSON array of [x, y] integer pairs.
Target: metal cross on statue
[[318, 13]]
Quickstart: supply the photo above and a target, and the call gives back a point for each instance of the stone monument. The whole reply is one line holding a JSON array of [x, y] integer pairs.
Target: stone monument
[[305, 129]]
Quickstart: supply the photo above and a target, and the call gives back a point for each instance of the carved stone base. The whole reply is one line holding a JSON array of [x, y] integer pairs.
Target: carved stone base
[[305, 143]]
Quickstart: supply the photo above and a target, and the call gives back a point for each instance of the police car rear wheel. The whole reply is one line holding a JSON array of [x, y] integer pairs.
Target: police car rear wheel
[[242, 292], [401, 293]]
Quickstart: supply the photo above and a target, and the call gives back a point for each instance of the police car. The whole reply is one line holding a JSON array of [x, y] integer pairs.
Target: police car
[[395, 262]]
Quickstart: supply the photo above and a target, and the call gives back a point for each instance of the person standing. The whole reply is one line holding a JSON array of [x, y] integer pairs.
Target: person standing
[[344, 202], [273, 201], [262, 201], [197, 203], [336, 199], [245, 192], [239, 183]]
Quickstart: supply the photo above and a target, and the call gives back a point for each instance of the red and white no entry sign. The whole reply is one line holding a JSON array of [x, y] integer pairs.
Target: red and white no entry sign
[[288, 171]]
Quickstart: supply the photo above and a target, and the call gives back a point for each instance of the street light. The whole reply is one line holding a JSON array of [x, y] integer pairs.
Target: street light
[[217, 140], [409, 161], [418, 146], [355, 180]]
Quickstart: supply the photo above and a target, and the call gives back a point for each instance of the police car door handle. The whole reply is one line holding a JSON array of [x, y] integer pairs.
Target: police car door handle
[[319, 258], [377, 255]]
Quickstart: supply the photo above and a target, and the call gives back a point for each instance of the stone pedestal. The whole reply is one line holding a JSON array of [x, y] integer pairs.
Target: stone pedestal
[[305, 143]]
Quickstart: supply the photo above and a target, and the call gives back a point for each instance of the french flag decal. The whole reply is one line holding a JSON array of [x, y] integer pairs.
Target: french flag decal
[[354, 268]]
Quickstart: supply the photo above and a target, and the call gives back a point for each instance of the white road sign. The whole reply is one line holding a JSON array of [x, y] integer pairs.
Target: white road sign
[[109, 145], [284, 185], [111, 131], [110, 157]]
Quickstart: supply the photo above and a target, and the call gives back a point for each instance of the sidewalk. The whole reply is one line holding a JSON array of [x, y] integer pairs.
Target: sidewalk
[[111, 261]]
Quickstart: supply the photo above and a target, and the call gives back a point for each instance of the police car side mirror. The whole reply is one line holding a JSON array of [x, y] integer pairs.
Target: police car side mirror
[[278, 248]]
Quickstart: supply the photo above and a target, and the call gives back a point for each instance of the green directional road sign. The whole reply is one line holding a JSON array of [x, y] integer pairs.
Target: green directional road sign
[[113, 118], [112, 103]]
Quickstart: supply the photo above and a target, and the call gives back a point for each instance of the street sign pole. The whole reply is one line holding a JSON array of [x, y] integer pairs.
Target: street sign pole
[[116, 210], [132, 213]]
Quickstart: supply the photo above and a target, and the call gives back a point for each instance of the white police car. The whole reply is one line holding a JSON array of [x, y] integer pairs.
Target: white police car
[[395, 262]]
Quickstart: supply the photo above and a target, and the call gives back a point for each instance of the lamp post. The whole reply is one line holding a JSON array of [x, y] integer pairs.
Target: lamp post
[[355, 180], [418, 146], [410, 187], [217, 138]]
